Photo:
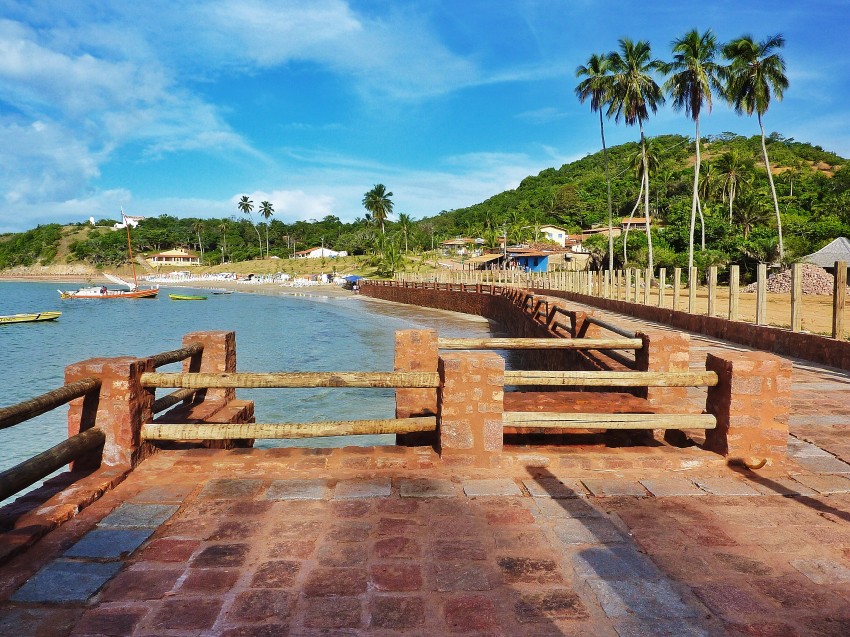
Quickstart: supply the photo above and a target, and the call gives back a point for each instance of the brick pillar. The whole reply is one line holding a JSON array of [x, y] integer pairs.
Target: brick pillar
[[416, 351], [751, 402], [664, 352], [470, 403], [219, 356], [120, 409]]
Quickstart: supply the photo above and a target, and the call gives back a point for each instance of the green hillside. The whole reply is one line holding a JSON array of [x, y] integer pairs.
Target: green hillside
[[813, 186]]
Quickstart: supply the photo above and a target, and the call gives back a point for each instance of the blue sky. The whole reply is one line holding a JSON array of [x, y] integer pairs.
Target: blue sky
[[164, 107]]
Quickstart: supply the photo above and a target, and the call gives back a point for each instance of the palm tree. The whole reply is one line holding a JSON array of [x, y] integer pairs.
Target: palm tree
[[377, 201], [633, 95], [405, 225], [247, 206], [694, 76], [733, 169], [749, 213], [266, 212], [597, 87], [197, 227], [755, 73], [223, 228]]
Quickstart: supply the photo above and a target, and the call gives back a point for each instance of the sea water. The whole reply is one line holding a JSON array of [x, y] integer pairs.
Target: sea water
[[274, 333]]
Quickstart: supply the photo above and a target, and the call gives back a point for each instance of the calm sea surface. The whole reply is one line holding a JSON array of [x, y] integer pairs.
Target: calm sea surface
[[273, 333]]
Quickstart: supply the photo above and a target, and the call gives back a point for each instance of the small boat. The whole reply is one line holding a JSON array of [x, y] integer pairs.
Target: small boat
[[186, 297], [223, 292], [133, 291], [29, 318]]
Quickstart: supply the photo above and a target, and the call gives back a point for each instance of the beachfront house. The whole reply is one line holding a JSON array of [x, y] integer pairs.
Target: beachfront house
[[529, 260], [178, 256]]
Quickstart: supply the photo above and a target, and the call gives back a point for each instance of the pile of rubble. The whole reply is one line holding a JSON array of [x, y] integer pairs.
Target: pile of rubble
[[816, 280]]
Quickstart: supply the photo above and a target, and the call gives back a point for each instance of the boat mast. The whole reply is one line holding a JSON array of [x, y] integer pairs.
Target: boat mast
[[129, 248]]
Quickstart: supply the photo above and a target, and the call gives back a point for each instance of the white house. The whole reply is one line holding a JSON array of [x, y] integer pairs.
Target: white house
[[179, 256], [554, 233]]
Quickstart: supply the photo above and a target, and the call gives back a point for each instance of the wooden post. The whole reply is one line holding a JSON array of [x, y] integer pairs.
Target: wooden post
[[761, 294], [647, 285], [692, 290], [662, 282], [838, 299], [734, 278], [637, 286], [796, 297], [628, 290], [712, 289], [677, 287]]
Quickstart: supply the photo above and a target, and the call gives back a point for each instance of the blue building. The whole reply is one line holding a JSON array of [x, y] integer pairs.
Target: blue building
[[530, 260]]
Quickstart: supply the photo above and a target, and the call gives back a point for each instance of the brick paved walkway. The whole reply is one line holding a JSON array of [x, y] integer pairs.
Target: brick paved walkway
[[608, 542]]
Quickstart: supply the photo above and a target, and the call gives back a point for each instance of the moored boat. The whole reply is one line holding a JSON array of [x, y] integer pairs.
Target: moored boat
[[187, 297], [30, 317]]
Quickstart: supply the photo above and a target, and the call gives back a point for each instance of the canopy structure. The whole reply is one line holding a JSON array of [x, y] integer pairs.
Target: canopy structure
[[837, 250]]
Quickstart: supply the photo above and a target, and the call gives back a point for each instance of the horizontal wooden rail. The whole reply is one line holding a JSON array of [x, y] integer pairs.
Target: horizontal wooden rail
[[293, 379], [177, 355], [161, 404], [539, 343], [234, 431], [625, 361], [611, 327], [556, 420], [15, 414], [611, 379], [31, 471]]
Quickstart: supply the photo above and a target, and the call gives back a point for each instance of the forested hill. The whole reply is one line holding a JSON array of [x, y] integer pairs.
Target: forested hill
[[813, 186]]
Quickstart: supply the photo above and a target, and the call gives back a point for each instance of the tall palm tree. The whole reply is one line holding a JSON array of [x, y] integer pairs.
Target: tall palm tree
[[266, 212], [756, 72], [749, 213], [377, 201], [223, 228], [694, 74], [405, 224], [634, 93], [247, 206], [596, 85], [733, 169], [197, 227]]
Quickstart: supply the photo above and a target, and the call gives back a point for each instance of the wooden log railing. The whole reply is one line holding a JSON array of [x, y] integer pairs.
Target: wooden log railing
[[177, 355], [28, 409], [249, 380], [539, 422], [540, 343], [611, 379]]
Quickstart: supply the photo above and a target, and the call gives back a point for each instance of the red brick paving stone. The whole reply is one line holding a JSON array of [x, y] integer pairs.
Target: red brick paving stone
[[510, 516], [397, 547], [350, 508], [462, 576], [396, 526], [397, 505], [168, 550], [469, 613], [234, 530], [333, 612], [395, 612], [108, 620], [561, 603], [529, 570], [276, 574], [336, 581], [221, 555], [37, 622], [297, 549], [263, 630], [796, 592], [731, 602], [187, 613], [255, 606], [250, 508], [823, 626], [231, 489], [459, 550], [744, 564], [396, 577], [762, 629], [298, 529], [349, 531], [209, 580], [138, 583], [350, 554], [531, 539]]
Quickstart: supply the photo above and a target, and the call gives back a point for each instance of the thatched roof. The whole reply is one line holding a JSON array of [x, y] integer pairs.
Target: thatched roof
[[838, 250]]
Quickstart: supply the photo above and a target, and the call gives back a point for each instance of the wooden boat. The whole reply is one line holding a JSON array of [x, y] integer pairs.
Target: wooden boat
[[133, 290], [186, 297], [30, 318]]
